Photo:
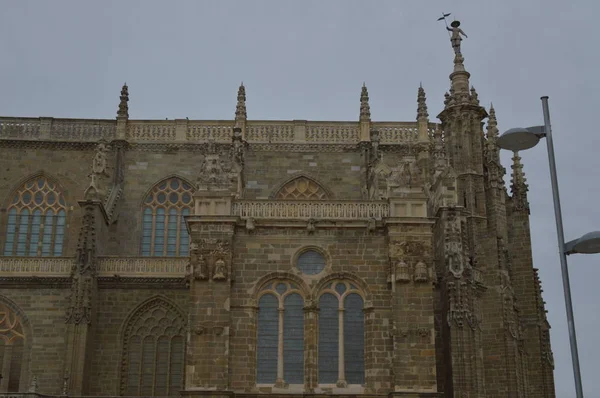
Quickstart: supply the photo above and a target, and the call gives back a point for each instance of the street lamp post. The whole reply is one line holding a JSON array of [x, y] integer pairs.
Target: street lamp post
[[517, 139]]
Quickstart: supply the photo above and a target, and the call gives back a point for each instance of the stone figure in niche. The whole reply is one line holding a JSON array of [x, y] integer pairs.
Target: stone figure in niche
[[220, 270], [201, 268], [421, 274], [402, 271], [99, 170]]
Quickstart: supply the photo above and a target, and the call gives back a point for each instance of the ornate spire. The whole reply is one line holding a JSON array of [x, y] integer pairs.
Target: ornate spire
[[518, 184], [474, 96], [421, 104], [123, 111], [492, 151], [440, 162], [365, 109], [240, 109]]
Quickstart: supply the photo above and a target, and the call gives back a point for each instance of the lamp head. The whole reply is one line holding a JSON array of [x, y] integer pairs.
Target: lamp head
[[587, 244], [518, 139]]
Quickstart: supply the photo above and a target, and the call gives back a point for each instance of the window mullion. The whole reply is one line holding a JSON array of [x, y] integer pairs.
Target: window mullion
[[16, 235], [177, 231], [341, 365], [153, 235], [280, 381], [165, 233], [169, 350]]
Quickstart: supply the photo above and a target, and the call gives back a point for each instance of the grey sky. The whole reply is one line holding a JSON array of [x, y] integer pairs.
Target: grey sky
[[308, 59]]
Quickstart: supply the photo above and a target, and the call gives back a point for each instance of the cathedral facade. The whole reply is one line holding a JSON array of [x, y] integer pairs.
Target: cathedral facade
[[240, 257]]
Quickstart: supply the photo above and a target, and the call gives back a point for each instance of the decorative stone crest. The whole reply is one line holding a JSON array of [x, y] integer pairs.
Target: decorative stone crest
[[421, 272], [402, 271]]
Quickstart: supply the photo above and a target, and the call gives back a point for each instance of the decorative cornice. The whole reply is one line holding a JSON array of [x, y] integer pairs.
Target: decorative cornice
[[118, 282], [30, 281]]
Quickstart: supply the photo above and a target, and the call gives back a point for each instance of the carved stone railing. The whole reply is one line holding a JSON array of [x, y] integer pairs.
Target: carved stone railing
[[163, 267], [266, 132], [151, 131], [201, 131], [36, 266], [205, 131], [82, 130], [332, 132], [20, 128], [334, 210], [396, 132]]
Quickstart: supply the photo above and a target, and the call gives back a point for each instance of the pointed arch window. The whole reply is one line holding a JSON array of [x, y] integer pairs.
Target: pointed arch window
[[163, 228], [302, 188], [153, 351], [280, 345], [12, 341], [341, 335], [36, 220]]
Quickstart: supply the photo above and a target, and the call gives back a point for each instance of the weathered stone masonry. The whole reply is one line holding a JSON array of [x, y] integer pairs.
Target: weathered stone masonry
[[174, 230]]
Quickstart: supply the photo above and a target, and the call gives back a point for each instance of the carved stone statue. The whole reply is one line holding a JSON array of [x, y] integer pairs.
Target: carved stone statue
[[456, 38], [402, 271], [220, 270], [421, 274], [201, 269], [99, 170]]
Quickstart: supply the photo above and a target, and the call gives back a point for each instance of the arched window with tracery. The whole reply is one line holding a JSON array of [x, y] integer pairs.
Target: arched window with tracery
[[36, 220], [341, 335], [12, 339], [280, 343], [302, 188], [153, 351], [163, 228]]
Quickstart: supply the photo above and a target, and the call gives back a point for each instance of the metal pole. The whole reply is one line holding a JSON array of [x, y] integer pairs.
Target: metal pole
[[561, 249]]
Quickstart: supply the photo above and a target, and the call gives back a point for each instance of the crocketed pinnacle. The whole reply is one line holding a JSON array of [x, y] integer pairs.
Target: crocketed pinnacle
[[240, 108], [123, 111], [474, 96], [421, 104], [491, 146], [440, 162], [365, 109], [518, 184]]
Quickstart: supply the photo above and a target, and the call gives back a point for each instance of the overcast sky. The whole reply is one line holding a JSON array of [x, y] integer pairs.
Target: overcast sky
[[308, 60]]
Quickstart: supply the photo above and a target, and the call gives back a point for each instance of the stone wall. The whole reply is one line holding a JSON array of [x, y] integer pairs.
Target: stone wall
[[114, 306], [42, 310]]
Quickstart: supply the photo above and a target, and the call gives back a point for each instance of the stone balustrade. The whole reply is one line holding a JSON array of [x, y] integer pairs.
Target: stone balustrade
[[163, 267], [332, 210], [200, 131]]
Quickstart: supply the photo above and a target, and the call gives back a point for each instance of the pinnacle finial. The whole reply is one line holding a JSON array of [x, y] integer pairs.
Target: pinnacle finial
[[365, 109], [123, 111], [240, 109], [518, 184], [421, 104], [492, 150], [474, 96]]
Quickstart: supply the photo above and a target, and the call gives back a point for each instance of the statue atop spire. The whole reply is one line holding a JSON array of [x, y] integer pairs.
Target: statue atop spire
[[123, 111], [365, 109], [456, 38], [421, 104], [240, 109]]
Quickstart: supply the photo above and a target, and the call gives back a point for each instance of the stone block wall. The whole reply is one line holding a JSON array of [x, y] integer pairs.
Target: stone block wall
[[42, 310]]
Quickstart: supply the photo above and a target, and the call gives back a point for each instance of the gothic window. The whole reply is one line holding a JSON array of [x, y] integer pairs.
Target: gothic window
[[310, 262], [302, 188], [163, 228], [36, 220], [341, 335], [11, 347], [280, 351], [153, 351]]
